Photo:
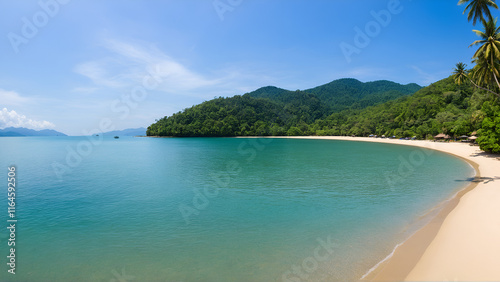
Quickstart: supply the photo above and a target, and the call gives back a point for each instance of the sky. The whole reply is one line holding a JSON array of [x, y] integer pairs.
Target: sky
[[80, 66]]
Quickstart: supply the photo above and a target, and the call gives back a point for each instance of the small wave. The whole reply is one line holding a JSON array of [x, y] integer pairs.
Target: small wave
[[382, 261]]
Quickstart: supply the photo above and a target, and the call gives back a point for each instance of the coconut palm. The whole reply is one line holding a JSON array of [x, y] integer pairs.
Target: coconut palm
[[487, 55], [482, 73], [478, 8], [460, 73], [478, 73]]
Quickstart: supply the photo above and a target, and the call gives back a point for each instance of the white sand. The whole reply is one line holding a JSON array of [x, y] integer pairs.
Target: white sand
[[467, 244]]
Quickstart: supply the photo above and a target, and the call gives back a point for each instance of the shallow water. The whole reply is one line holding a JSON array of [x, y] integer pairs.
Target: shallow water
[[215, 209]]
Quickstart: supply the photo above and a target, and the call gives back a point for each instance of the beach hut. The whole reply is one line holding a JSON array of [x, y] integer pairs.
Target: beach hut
[[464, 138], [442, 136], [473, 139]]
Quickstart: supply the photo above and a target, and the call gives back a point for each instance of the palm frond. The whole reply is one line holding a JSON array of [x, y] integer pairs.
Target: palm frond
[[478, 9]]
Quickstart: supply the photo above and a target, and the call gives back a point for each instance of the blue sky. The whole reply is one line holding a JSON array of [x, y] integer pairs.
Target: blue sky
[[70, 64]]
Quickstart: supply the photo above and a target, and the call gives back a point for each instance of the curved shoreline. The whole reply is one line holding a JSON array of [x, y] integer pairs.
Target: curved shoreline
[[461, 241]]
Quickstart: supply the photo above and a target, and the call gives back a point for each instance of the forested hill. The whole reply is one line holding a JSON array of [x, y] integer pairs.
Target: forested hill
[[346, 93], [351, 93], [275, 111], [442, 107]]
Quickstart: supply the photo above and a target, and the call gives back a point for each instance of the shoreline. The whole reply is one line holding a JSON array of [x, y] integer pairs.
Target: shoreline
[[461, 241]]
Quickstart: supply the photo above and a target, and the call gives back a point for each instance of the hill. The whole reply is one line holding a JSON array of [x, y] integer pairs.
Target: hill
[[441, 107], [349, 93], [21, 131], [274, 111], [346, 93]]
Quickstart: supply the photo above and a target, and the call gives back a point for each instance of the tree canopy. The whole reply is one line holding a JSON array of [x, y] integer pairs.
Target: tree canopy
[[275, 111]]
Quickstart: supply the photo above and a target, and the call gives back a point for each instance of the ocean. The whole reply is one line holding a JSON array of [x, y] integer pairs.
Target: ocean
[[214, 209]]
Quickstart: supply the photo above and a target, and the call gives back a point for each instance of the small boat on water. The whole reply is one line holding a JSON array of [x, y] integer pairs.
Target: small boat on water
[[116, 137]]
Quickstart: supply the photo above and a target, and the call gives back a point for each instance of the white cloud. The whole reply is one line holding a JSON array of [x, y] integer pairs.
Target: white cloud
[[98, 72], [129, 64], [11, 98], [13, 119], [132, 52]]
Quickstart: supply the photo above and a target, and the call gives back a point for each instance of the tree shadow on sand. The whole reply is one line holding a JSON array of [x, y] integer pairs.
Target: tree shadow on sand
[[480, 179], [486, 155]]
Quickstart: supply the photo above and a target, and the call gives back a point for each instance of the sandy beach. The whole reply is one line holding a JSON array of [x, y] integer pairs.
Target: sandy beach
[[462, 242]]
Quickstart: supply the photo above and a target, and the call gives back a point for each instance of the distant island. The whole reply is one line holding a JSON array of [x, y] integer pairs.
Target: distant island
[[25, 132]]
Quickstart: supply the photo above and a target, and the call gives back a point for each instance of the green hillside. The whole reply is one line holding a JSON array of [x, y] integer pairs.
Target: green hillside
[[442, 107], [346, 93], [350, 93], [241, 116], [275, 111]]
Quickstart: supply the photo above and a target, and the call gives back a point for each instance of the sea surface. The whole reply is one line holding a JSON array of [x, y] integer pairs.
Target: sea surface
[[214, 209]]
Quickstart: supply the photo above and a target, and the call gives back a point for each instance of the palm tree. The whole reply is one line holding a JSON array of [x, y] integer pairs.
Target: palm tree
[[482, 73], [478, 8], [460, 73], [488, 55]]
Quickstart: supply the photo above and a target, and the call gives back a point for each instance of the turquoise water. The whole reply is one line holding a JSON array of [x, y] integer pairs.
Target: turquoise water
[[148, 209]]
